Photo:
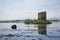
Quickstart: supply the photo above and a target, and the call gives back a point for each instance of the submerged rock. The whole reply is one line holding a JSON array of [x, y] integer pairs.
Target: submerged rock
[[14, 27]]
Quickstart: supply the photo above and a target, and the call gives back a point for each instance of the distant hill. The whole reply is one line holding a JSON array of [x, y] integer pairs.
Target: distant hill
[[11, 21], [55, 19]]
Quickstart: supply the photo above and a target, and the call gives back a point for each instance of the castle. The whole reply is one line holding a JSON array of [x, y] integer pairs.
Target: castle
[[42, 16]]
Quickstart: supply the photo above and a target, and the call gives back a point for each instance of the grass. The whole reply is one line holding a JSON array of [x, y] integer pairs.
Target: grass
[[37, 22]]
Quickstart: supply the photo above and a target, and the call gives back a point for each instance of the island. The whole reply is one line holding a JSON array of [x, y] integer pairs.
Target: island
[[41, 19]]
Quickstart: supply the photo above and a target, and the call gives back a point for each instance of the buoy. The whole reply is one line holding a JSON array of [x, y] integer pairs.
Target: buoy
[[14, 27]]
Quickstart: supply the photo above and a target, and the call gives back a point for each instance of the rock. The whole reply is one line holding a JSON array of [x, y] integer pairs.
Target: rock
[[33, 39], [14, 27], [9, 35]]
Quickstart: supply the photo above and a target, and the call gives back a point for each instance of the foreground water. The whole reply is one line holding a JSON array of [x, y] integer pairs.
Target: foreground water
[[30, 31]]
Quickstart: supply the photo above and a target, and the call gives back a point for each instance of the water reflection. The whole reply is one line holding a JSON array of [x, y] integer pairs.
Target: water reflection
[[30, 31], [42, 29]]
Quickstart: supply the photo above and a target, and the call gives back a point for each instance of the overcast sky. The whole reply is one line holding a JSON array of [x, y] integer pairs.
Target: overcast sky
[[23, 9]]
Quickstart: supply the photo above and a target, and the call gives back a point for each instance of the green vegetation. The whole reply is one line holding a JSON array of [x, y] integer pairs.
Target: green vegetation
[[37, 22]]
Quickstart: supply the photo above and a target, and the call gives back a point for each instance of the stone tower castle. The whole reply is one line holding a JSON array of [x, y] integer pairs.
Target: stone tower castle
[[42, 16]]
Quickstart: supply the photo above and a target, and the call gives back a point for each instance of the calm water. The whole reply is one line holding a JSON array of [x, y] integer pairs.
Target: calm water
[[30, 31]]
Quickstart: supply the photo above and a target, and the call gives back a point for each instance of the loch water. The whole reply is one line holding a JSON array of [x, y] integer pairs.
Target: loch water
[[30, 31]]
